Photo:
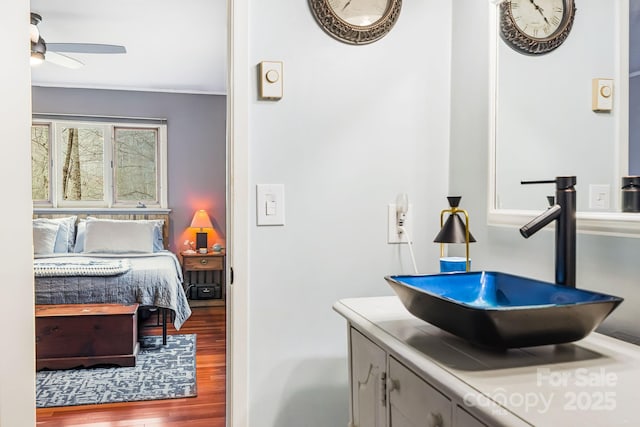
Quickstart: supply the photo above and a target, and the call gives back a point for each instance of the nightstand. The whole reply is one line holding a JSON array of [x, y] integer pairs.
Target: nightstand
[[204, 278]]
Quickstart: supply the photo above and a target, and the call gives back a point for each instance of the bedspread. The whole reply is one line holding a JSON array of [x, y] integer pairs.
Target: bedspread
[[153, 280]]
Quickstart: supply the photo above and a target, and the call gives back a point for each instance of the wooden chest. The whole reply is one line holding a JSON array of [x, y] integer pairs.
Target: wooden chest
[[74, 335]]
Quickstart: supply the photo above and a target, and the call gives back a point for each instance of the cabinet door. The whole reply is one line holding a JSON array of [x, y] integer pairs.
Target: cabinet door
[[367, 382], [413, 402]]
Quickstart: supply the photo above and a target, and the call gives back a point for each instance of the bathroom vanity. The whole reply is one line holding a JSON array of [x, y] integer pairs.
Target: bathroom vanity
[[406, 372]]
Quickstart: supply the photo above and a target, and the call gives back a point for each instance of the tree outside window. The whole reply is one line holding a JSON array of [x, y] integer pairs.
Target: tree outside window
[[98, 164]]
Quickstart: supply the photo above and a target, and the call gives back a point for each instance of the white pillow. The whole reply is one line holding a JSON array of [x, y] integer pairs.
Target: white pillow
[[66, 232], [118, 236], [44, 237], [158, 242]]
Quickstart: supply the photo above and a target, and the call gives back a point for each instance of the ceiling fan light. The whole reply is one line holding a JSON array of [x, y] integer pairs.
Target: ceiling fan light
[[38, 50], [35, 18], [34, 33], [40, 46], [37, 58]]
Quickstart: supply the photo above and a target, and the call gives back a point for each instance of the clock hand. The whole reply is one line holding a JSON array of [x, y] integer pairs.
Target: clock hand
[[347, 4], [539, 9]]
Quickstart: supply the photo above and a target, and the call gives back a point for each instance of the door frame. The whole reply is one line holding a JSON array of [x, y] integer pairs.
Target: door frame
[[238, 91]]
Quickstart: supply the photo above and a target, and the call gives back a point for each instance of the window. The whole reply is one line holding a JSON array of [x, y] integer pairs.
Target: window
[[40, 161], [97, 164]]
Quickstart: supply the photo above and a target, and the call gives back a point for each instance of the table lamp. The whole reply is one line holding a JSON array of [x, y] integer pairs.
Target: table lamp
[[454, 230], [201, 220]]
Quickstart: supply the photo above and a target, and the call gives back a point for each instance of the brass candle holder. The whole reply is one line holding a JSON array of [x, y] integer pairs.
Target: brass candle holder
[[454, 230]]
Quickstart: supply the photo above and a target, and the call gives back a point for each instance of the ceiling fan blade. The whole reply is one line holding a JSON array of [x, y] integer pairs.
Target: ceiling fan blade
[[85, 48], [62, 60]]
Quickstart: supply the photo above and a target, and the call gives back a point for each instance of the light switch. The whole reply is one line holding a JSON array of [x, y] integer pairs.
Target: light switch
[[270, 80], [599, 195], [270, 204], [602, 94]]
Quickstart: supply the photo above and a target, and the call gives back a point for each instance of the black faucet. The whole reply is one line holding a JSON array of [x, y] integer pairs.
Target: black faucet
[[564, 211]]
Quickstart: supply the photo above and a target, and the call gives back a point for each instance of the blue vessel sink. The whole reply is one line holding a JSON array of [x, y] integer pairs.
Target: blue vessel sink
[[501, 310]]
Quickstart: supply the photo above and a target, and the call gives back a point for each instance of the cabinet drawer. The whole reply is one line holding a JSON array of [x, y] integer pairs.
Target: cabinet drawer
[[465, 419], [412, 401], [203, 263]]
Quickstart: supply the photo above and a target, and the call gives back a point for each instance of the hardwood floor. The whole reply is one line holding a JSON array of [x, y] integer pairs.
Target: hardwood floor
[[207, 409]]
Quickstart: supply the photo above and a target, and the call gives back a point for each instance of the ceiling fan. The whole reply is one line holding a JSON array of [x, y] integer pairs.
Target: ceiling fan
[[51, 52]]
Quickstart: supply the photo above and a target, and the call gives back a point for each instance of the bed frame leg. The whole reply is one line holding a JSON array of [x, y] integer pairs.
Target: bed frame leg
[[164, 326]]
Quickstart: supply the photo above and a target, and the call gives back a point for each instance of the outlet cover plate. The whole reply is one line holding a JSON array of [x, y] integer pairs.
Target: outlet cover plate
[[392, 229]]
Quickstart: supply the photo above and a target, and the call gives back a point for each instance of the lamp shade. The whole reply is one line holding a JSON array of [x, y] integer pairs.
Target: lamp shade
[[453, 231], [201, 220]]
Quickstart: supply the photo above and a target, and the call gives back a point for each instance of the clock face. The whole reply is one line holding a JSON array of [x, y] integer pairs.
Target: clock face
[[360, 13], [538, 19], [536, 27]]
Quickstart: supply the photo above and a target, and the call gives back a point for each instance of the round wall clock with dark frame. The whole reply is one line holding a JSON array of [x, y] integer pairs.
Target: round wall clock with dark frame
[[535, 27], [356, 21]]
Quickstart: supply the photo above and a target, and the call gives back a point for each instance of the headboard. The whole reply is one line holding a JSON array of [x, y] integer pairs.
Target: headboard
[[51, 213]]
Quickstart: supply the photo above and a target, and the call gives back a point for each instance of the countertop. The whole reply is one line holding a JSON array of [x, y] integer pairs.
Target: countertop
[[591, 382]]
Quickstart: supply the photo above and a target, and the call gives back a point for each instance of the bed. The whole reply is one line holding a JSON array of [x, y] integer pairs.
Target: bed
[[82, 259]]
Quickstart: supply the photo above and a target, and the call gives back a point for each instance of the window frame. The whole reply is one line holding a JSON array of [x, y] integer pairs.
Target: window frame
[[109, 165]]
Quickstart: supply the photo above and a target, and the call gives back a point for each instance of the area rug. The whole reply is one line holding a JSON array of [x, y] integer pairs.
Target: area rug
[[161, 372]]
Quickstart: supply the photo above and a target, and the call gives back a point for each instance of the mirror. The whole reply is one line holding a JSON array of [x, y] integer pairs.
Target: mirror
[[634, 86], [543, 125]]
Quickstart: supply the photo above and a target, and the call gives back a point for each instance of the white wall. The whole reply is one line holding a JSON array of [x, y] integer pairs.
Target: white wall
[[607, 264], [17, 359], [357, 125]]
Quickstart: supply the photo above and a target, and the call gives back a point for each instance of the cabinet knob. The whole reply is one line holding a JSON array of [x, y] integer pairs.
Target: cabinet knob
[[435, 420], [203, 261], [393, 385]]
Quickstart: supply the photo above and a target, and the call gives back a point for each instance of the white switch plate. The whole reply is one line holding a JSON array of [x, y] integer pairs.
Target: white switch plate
[[270, 80], [392, 226], [599, 196], [270, 204]]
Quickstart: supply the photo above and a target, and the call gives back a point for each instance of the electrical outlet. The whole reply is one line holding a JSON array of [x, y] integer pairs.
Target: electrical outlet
[[392, 225]]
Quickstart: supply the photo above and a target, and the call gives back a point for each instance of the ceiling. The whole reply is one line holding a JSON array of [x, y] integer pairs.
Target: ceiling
[[172, 45]]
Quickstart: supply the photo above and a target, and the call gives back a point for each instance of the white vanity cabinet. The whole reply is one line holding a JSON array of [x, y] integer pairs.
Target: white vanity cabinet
[[384, 392], [405, 372], [368, 372]]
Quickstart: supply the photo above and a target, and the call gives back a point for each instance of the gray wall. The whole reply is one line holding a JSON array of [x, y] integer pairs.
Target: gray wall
[[607, 264], [196, 144]]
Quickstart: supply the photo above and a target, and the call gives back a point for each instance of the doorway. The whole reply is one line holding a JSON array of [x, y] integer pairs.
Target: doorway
[[181, 162]]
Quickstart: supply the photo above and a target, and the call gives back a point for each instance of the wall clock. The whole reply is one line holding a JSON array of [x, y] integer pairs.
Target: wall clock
[[356, 21], [536, 27]]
